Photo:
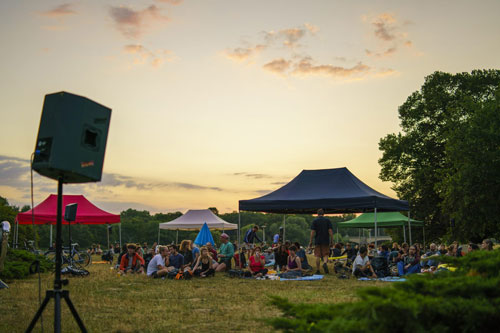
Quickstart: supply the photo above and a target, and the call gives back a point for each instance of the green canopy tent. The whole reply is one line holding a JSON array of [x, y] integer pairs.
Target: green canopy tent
[[384, 220]]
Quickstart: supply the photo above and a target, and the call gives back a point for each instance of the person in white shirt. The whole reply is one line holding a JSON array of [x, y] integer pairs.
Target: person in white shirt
[[361, 266], [157, 267]]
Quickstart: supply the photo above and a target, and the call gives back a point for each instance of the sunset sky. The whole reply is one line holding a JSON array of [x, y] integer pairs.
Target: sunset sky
[[217, 101]]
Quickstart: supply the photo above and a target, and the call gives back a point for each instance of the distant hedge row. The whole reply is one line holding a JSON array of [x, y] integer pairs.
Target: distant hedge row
[[467, 300], [18, 262]]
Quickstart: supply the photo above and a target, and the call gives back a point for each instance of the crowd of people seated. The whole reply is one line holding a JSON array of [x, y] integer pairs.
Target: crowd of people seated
[[286, 259]]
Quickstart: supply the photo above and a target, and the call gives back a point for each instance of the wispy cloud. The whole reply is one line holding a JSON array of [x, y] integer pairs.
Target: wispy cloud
[[142, 55], [278, 66], [171, 2], [389, 33], [60, 11], [293, 63], [241, 54], [133, 23], [253, 175], [15, 173], [306, 66]]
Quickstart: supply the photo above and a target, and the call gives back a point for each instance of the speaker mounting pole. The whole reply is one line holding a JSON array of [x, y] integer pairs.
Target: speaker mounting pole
[[58, 293]]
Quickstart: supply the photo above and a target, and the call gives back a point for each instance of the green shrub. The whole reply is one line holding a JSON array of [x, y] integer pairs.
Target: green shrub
[[466, 300], [18, 262]]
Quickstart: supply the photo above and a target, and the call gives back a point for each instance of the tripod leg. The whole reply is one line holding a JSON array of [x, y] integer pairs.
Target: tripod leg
[[40, 310], [57, 311], [73, 311]]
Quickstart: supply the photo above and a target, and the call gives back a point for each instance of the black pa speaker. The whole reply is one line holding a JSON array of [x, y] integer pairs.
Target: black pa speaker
[[71, 138], [70, 212]]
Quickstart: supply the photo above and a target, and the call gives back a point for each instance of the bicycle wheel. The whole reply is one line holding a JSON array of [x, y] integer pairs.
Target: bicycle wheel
[[50, 255], [81, 259]]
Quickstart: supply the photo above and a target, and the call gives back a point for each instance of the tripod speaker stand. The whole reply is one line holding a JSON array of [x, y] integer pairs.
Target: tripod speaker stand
[[58, 292]]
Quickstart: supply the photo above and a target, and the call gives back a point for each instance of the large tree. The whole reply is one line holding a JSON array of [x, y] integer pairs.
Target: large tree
[[424, 160]]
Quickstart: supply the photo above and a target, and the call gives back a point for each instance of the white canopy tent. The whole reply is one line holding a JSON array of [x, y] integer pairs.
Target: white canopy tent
[[194, 219]]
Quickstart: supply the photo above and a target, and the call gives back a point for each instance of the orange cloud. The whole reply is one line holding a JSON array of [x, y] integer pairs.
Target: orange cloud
[[278, 66], [384, 27], [60, 11], [306, 67], [142, 55], [133, 23], [171, 2], [241, 54]]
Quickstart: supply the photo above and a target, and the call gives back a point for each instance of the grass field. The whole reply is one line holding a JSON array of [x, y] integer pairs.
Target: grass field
[[110, 303]]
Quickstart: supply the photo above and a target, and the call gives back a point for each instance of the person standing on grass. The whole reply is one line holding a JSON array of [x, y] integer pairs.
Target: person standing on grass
[[322, 232], [251, 236], [131, 262], [226, 253], [157, 266]]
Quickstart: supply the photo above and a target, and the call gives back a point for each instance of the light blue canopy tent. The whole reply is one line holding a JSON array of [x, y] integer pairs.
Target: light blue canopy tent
[[204, 236]]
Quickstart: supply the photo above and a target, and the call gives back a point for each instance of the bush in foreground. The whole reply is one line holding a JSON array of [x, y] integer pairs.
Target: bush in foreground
[[18, 262], [467, 300]]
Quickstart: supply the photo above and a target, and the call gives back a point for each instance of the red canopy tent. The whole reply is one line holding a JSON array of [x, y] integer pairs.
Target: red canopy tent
[[87, 212]]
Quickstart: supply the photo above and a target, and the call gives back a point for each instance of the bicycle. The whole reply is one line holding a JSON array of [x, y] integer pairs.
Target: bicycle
[[71, 256]]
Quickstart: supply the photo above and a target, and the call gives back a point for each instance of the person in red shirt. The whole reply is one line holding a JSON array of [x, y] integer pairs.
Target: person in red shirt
[[131, 262], [257, 263]]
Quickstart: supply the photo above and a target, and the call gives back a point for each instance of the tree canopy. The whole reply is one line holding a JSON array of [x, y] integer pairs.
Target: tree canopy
[[445, 161]]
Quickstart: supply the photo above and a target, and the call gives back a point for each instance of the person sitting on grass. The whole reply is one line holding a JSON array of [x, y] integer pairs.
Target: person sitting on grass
[[212, 251], [410, 263], [384, 252], [187, 253], [281, 255], [487, 245], [350, 252], [204, 266], [176, 260], [131, 262], [361, 266], [294, 266], [257, 263], [337, 250], [269, 257], [157, 266], [226, 253], [472, 247], [301, 253]]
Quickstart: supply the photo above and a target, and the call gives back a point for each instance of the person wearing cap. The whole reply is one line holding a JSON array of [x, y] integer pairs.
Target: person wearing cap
[[226, 253]]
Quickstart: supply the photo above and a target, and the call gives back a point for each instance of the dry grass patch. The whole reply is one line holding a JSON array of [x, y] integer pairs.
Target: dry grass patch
[[108, 303]]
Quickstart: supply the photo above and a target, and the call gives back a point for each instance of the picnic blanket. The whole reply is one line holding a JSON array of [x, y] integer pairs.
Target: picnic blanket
[[305, 278], [384, 279]]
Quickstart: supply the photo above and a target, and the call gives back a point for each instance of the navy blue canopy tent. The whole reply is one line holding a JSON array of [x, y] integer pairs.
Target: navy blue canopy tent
[[333, 190]]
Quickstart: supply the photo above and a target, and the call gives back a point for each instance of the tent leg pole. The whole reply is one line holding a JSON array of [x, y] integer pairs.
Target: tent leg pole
[[239, 228], [17, 235], [409, 228], [404, 233], [423, 234], [50, 237], [284, 228], [120, 232], [337, 236], [159, 235], [376, 228], [107, 233], [177, 237]]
